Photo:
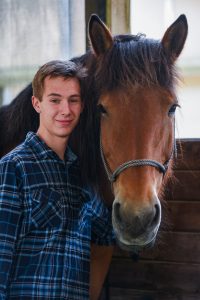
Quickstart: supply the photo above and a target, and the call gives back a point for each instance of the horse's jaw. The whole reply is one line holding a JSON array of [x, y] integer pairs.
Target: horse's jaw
[[134, 249], [134, 246]]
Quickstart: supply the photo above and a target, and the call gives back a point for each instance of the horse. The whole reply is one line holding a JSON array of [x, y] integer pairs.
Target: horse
[[125, 138]]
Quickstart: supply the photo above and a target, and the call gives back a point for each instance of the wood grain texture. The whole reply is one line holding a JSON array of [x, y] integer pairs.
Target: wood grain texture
[[155, 276], [184, 186], [188, 157], [170, 247], [130, 294]]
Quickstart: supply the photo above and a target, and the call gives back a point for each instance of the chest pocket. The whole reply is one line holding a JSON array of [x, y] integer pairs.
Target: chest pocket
[[46, 208]]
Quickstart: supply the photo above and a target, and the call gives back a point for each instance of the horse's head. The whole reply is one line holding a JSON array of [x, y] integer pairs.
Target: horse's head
[[135, 79]]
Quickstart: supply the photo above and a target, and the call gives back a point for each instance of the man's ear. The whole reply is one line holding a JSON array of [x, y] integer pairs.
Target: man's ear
[[36, 104]]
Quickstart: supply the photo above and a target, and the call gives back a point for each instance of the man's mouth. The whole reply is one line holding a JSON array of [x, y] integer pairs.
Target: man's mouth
[[64, 122]]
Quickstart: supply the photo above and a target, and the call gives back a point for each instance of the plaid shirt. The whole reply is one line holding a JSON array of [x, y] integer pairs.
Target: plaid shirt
[[47, 223]]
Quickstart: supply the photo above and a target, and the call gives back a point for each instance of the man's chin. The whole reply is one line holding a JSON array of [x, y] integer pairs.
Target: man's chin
[[64, 132]]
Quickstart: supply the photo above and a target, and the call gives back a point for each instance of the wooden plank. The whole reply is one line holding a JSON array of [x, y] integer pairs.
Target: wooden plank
[[185, 186], [131, 294], [175, 247], [176, 277], [188, 154], [183, 216], [170, 247]]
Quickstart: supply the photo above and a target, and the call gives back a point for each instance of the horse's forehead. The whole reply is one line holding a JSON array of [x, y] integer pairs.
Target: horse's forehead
[[138, 96]]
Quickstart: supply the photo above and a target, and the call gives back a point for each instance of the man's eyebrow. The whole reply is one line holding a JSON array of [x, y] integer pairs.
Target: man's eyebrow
[[58, 95], [75, 95], [54, 94]]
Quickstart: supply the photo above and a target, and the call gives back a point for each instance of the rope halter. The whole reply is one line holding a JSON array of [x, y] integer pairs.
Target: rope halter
[[112, 176]]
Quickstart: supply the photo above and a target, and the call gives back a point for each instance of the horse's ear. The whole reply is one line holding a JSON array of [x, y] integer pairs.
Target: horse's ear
[[174, 38], [100, 36]]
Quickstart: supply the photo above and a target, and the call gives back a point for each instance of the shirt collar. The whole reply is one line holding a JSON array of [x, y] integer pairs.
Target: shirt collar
[[41, 148]]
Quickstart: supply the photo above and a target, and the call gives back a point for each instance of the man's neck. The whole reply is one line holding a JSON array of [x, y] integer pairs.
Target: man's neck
[[56, 143]]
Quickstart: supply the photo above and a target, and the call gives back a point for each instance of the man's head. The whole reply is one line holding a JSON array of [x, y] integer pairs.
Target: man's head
[[57, 99], [53, 69]]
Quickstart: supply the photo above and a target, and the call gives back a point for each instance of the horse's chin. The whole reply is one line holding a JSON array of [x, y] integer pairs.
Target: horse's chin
[[134, 248]]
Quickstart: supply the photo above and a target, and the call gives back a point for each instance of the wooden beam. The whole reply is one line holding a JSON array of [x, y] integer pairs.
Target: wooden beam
[[94, 7], [115, 13], [118, 16]]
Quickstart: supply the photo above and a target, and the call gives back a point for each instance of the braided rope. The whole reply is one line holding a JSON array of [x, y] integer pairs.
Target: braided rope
[[137, 163], [132, 163]]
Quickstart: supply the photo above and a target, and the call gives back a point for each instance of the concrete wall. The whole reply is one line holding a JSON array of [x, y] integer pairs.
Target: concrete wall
[[34, 32]]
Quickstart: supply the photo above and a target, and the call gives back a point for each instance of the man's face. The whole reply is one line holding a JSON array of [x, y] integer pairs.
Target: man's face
[[60, 107]]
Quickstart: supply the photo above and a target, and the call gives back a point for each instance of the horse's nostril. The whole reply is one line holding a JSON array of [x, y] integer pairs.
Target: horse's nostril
[[117, 212], [157, 214]]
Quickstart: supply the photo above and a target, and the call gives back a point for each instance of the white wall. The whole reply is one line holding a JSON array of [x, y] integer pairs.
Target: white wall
[[152, 18], [34, 32]]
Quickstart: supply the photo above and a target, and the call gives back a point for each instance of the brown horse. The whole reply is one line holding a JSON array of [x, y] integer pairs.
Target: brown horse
[[135, 79], [125, 138]]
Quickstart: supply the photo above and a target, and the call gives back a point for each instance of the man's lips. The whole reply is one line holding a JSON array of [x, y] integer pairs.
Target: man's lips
[[64, 122]]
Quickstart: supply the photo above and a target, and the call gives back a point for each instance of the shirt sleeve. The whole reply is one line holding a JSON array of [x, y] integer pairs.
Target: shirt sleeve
[[9, 219], [102, 230]]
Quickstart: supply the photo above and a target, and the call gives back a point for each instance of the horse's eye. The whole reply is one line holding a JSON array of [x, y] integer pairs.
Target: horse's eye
[[102, 109], [172, 110]]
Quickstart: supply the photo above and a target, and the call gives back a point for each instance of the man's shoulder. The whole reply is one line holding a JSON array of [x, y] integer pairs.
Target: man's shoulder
[[19, 154]]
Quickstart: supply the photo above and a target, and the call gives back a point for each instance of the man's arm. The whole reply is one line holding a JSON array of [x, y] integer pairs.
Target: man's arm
[[99, 265], [9, 218]]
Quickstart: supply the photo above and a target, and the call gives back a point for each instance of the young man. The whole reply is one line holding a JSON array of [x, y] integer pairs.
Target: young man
[[48, 219]]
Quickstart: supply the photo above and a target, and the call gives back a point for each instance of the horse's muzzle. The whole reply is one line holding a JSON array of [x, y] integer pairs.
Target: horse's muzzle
[[136, 229]]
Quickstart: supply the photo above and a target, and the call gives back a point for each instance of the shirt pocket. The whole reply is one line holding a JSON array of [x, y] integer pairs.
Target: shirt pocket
[[46, 208]]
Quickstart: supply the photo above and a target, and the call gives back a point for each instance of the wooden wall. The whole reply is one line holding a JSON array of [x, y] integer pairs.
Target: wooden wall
[[171, 270]]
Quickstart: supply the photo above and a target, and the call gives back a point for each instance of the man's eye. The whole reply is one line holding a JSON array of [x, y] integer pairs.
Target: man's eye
[[75, 100], [55, 101]]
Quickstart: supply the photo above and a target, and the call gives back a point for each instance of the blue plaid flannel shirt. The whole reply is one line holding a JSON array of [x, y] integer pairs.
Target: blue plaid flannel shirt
[[47, 223]]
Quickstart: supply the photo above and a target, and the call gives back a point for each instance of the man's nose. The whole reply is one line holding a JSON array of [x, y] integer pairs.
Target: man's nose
[[65, 108]]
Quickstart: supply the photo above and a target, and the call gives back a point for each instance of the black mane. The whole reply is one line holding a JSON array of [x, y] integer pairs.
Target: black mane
[[132, 60]]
